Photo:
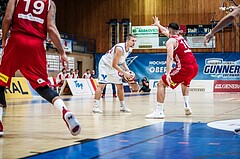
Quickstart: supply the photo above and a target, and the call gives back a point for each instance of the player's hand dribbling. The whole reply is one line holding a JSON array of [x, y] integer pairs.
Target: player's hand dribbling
[[64, 61]]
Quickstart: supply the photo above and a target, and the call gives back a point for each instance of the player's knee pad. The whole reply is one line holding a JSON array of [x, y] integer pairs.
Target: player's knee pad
[[47, 93]]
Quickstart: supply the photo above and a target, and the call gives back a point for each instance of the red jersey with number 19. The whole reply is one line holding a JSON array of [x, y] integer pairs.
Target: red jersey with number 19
[[30, 17], [182, 54]]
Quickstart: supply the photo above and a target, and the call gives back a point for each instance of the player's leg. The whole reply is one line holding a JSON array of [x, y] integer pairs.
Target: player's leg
[[103, 80], [187, 74], [35, 72], [97, 96], [158, 111], [114, 90], [2, 101], [185, 93], [120, 93], [104, 92], [9, 64], [69, 118]]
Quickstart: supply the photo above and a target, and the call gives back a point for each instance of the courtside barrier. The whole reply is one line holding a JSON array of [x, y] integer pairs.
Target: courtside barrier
[[75, 87], [18, 88]]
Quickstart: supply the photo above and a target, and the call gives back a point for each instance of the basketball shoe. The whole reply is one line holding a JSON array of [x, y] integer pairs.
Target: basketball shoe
[[96, 109], [125, 109], [156, 114], [237, 131], [188, 111], [71, 122], [1, 128]]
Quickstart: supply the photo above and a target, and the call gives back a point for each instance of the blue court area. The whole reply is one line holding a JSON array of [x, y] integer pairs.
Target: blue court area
[[170, 140]]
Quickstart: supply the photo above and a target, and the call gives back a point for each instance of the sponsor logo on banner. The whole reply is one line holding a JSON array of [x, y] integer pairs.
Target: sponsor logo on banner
[[147, 36], [157, 66], [18, 88], [226, 86], [79, 86], [218, 68]]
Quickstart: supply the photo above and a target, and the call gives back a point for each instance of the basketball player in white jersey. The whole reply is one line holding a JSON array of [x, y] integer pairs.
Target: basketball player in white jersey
[[112, 67], [228, 19]]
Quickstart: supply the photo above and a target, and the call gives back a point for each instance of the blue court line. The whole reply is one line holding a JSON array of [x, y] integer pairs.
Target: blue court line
[[171, 140]]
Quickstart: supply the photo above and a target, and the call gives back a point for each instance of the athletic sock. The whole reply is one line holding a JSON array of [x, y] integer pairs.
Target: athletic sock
[[122, 103], [159, 106], [96, 103], [186, 101], [59, 104]]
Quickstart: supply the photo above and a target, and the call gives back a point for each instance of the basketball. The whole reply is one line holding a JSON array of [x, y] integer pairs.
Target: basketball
[[132, 78]]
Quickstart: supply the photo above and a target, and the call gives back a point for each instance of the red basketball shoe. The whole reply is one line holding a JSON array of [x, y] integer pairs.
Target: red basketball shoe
[[1, 128], [71, 122]]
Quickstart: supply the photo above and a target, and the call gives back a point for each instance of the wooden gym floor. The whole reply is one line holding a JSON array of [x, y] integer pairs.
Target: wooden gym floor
[[34, 129]]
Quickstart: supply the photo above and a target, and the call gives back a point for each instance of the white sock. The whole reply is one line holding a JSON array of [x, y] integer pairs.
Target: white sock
[[59, 104], [122, 103], [159, 106], [96, 103], [186, 101], [1, 112]]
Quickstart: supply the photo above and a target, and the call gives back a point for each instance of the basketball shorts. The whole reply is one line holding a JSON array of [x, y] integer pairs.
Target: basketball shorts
[[108, 74], [27, 54], [181, 75]]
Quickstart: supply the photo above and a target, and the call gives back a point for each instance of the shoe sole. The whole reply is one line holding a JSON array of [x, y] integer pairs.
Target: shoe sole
[[99, 112], [155, 117], [124, 111], [72, 123], [237, 131], [187, 111]]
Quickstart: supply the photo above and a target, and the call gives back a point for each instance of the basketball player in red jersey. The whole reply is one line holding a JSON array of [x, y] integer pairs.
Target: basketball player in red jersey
[[28, 22], [185, 70]]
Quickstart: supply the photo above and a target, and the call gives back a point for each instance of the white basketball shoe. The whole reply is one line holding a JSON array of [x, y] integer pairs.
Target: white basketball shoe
[[125, 109], [96, 109], [156, 114]]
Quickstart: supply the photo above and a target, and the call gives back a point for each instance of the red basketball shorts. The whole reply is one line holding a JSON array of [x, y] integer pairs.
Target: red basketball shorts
[[27, 54], [181, 75]]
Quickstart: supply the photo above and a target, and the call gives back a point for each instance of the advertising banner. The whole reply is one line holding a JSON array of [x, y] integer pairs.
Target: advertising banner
[[18, 88], [75, 87], [198, 42], [212, 66], [227, 86], [147, 37]]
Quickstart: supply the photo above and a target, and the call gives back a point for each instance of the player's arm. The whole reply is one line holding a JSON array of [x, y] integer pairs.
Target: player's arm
[[7, 20], [117, 56], [54, 34], [170, 48], [125, 66], [163, 29], [224, 22]]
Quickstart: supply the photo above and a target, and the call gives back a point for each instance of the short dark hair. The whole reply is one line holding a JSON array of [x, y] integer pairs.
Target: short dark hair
[[174, 26]]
